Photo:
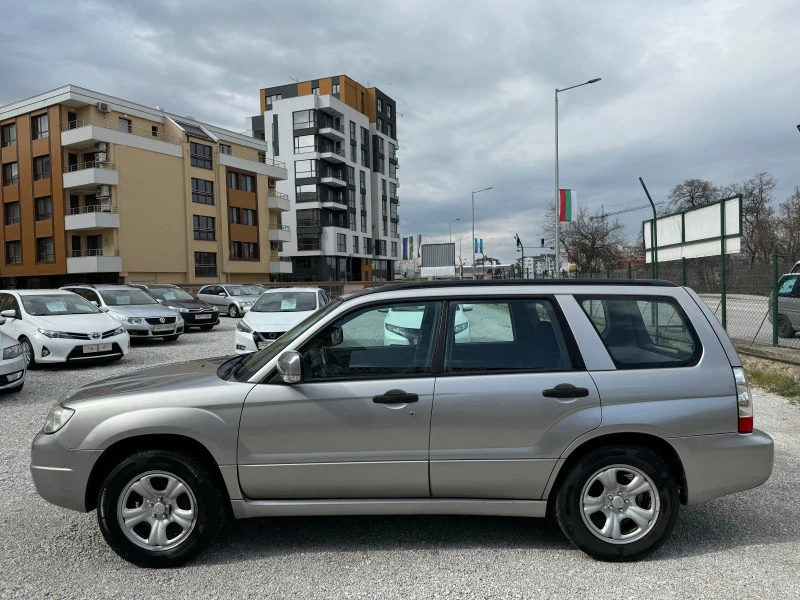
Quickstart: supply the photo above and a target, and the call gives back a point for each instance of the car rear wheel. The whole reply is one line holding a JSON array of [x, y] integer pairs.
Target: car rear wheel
[[785, 329], [160, 509], [618, 503], [233, 311], [29, 352]]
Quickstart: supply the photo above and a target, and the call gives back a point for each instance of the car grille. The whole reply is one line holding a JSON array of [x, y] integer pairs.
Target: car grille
[[86, 336], [159, 320], [271, 335]]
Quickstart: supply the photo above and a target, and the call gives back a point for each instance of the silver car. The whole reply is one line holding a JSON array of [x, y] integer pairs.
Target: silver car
[[233, 299], [12, 363], [607, 404]]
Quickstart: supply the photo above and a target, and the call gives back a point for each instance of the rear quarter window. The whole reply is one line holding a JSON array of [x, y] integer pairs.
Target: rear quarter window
[[643, 332]]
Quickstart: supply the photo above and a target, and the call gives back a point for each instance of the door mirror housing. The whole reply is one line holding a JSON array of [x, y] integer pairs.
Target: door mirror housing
[[221, 294], [290, 367], [103, 308], [466, 307], [9, 314]]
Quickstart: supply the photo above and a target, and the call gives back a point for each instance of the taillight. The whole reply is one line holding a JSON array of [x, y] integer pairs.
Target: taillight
[[744, 401]]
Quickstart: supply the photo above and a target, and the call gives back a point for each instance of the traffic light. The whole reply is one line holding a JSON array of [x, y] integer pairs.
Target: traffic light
[[542, 242], [519, 241]]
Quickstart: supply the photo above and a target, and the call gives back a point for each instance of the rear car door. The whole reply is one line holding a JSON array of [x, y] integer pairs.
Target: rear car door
[[512, 395], [789, 303], [358, 424]]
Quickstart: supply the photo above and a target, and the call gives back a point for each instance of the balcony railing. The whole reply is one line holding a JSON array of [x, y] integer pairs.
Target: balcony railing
[[340, 152], [254, 156], [92, 164], [94, 252], [309, 223], [106, 124], [280, 227], [92, 208], [331, 125], [304, 246], [282, 195]]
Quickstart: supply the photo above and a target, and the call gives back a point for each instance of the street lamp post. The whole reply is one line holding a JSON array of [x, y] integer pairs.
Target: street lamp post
[[450, 229], [473, 226], [558, 219]]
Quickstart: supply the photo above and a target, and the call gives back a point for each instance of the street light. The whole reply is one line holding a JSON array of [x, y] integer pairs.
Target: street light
[[450, 229], [473, 225], [558, 220], [460, 260]]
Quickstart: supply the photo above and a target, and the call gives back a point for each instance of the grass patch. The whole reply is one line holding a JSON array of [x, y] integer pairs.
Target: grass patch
[[777, 383]]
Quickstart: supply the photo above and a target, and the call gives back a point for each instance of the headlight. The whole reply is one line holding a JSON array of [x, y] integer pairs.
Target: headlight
[[53, 334], [133, 320], [244, 327], [119, 331], [12, 351], [179, 309], [461, 327], [58, 417], [407, 332], [215, 309]]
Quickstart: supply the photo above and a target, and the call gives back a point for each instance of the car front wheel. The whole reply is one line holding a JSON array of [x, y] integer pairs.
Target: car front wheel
[[29, 352], [160, 509], [618, 503], [785, 329], [233, 311]]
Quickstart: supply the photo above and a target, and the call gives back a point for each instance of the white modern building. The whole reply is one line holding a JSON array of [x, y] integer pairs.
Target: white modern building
[[339, 142]]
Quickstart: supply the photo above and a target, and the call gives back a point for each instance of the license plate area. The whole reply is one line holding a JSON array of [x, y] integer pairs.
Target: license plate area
[[203, 317], [162, 328], [95, 348]]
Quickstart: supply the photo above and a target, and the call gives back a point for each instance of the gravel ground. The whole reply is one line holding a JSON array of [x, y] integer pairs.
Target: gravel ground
[[744, 546]]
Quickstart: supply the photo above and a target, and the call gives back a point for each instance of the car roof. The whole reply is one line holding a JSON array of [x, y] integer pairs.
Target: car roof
[[103, 286], [293, 289], [36, 292]]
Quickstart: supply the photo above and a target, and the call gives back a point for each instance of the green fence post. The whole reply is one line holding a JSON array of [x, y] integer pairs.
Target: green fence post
[[724, 298], [683, 271], [774, 298]]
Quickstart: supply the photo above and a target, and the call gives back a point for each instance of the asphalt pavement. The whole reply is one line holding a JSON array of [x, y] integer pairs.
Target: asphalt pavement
[[742, 546]]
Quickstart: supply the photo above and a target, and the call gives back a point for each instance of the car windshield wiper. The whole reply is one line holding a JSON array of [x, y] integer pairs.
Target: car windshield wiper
[[228, 366]]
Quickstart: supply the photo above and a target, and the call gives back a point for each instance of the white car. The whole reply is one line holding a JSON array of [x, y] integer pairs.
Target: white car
[[12, 363], [58, 326], [402, 324], [273, 314]]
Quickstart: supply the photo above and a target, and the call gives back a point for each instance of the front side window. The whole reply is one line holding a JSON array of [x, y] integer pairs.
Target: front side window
[[200, 155], [204, 227], [305, 143], [8, 135], [381, 168], [362, 179], [44, 208], [380, 105], [40, 126], [205, 264], [392, 340], [643, 332], [303, 119], [41, 167], [126, 297], [202, 191], [57, 304], [513, 335]]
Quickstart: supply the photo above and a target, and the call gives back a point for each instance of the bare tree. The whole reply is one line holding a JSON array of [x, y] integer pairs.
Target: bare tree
[[692, 193], [787, 223], [759, 234], [592, 241]]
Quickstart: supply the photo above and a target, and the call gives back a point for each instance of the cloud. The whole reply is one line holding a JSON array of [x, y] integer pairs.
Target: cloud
[[703, 89]]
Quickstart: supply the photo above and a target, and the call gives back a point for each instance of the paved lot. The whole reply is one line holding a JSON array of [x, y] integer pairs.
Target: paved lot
[[743, 546]]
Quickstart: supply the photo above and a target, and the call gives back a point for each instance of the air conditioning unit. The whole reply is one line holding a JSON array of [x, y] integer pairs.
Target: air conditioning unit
[[101, 147], [103, 191], [102, 107], [100, 157], [275, 245], [272, 183]]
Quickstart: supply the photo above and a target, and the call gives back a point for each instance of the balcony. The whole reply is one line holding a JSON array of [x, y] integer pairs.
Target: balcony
[[394, 199], [280, 233], [332, 155], [89, 175], [282, 265], [309, 245], [94, 261], [279, 202], [329, 130], [252, 160], [91, 217], [333, 179], [85, 133]]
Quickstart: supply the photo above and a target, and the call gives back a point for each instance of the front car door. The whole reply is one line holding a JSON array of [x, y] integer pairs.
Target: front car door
[[789, 302], [209, 294], [512, 395], [358, 424]]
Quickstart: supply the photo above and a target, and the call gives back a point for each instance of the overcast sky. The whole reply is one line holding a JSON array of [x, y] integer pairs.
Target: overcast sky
[[690, 89]]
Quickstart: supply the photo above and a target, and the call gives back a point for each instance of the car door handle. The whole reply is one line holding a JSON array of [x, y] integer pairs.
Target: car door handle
[[566, 390], [395, 397]]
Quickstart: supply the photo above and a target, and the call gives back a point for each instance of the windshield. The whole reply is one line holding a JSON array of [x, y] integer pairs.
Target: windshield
[[251, 365], [256, 290], [287, 301], [238, 290], [170, 294], [58, 304], [126, 297]]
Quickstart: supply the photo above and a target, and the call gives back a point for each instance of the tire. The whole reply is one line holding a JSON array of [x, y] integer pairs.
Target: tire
[[233, 311], [206, 327], [159, 467], [171, 338], [618, 464], [29, 352], [785, 329]]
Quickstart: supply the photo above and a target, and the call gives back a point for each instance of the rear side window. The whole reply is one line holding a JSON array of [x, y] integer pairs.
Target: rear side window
[[505, 336], [788, 286], [643, 332]]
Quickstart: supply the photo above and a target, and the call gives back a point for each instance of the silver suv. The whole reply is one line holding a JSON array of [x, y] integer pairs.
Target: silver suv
[[608, 404]]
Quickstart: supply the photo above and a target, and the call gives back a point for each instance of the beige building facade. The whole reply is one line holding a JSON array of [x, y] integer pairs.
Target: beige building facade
[[106, 190]]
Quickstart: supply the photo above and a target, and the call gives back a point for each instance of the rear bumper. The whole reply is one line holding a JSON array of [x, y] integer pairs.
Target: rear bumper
[[61, 475], [722, 464]]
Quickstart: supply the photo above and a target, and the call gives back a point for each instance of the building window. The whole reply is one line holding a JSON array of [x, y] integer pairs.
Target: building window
[[225, 149], [390, 131], [362, 179], [341, 242], [393, 191], [364, 162], [235, 250], [14, 252], [380, 105], [202, 191], [303, 119], [392, 170], [305, 168], [204, 228], [233, 215], [394, 249], [394, 211], [389, 111], [205, 264], [44, 208], [363, 223], [335, 88], [200, 156], [393, 229], [40, 126], [381, 166], [380, 145], [240, 181], [392, 152], [41, 167], [125, 125], [154, 131], [306, 193], [385, 230], [380, 124], [383, 204], [248, 216], [351, 199], [355, 244], [11, 213], [363, 200], [351, 175], [315, 90], [364, 137], [353, 155], [305, 143], [308, 217], [10, 174], [9, 135], [270, 99], [352, 131], [367, 245], [45, 252], [250, 250]]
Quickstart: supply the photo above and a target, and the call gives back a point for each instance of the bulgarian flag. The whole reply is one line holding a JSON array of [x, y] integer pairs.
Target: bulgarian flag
[[567, 204]]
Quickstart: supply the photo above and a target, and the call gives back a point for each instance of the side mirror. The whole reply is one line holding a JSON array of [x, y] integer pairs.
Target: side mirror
[[95, 303], [289, 366], [9, 314], [159, 300], [221, 294], [103, 308], [466, 307]]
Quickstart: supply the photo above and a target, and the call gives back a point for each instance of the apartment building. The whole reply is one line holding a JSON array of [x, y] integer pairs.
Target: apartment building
[[98, 189], [339, 141]]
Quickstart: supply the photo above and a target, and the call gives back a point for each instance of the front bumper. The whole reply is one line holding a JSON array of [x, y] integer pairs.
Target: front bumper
[[200, 319], [726, 463], [145, 330], [61, 350], [61, 475], [10, 372]]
